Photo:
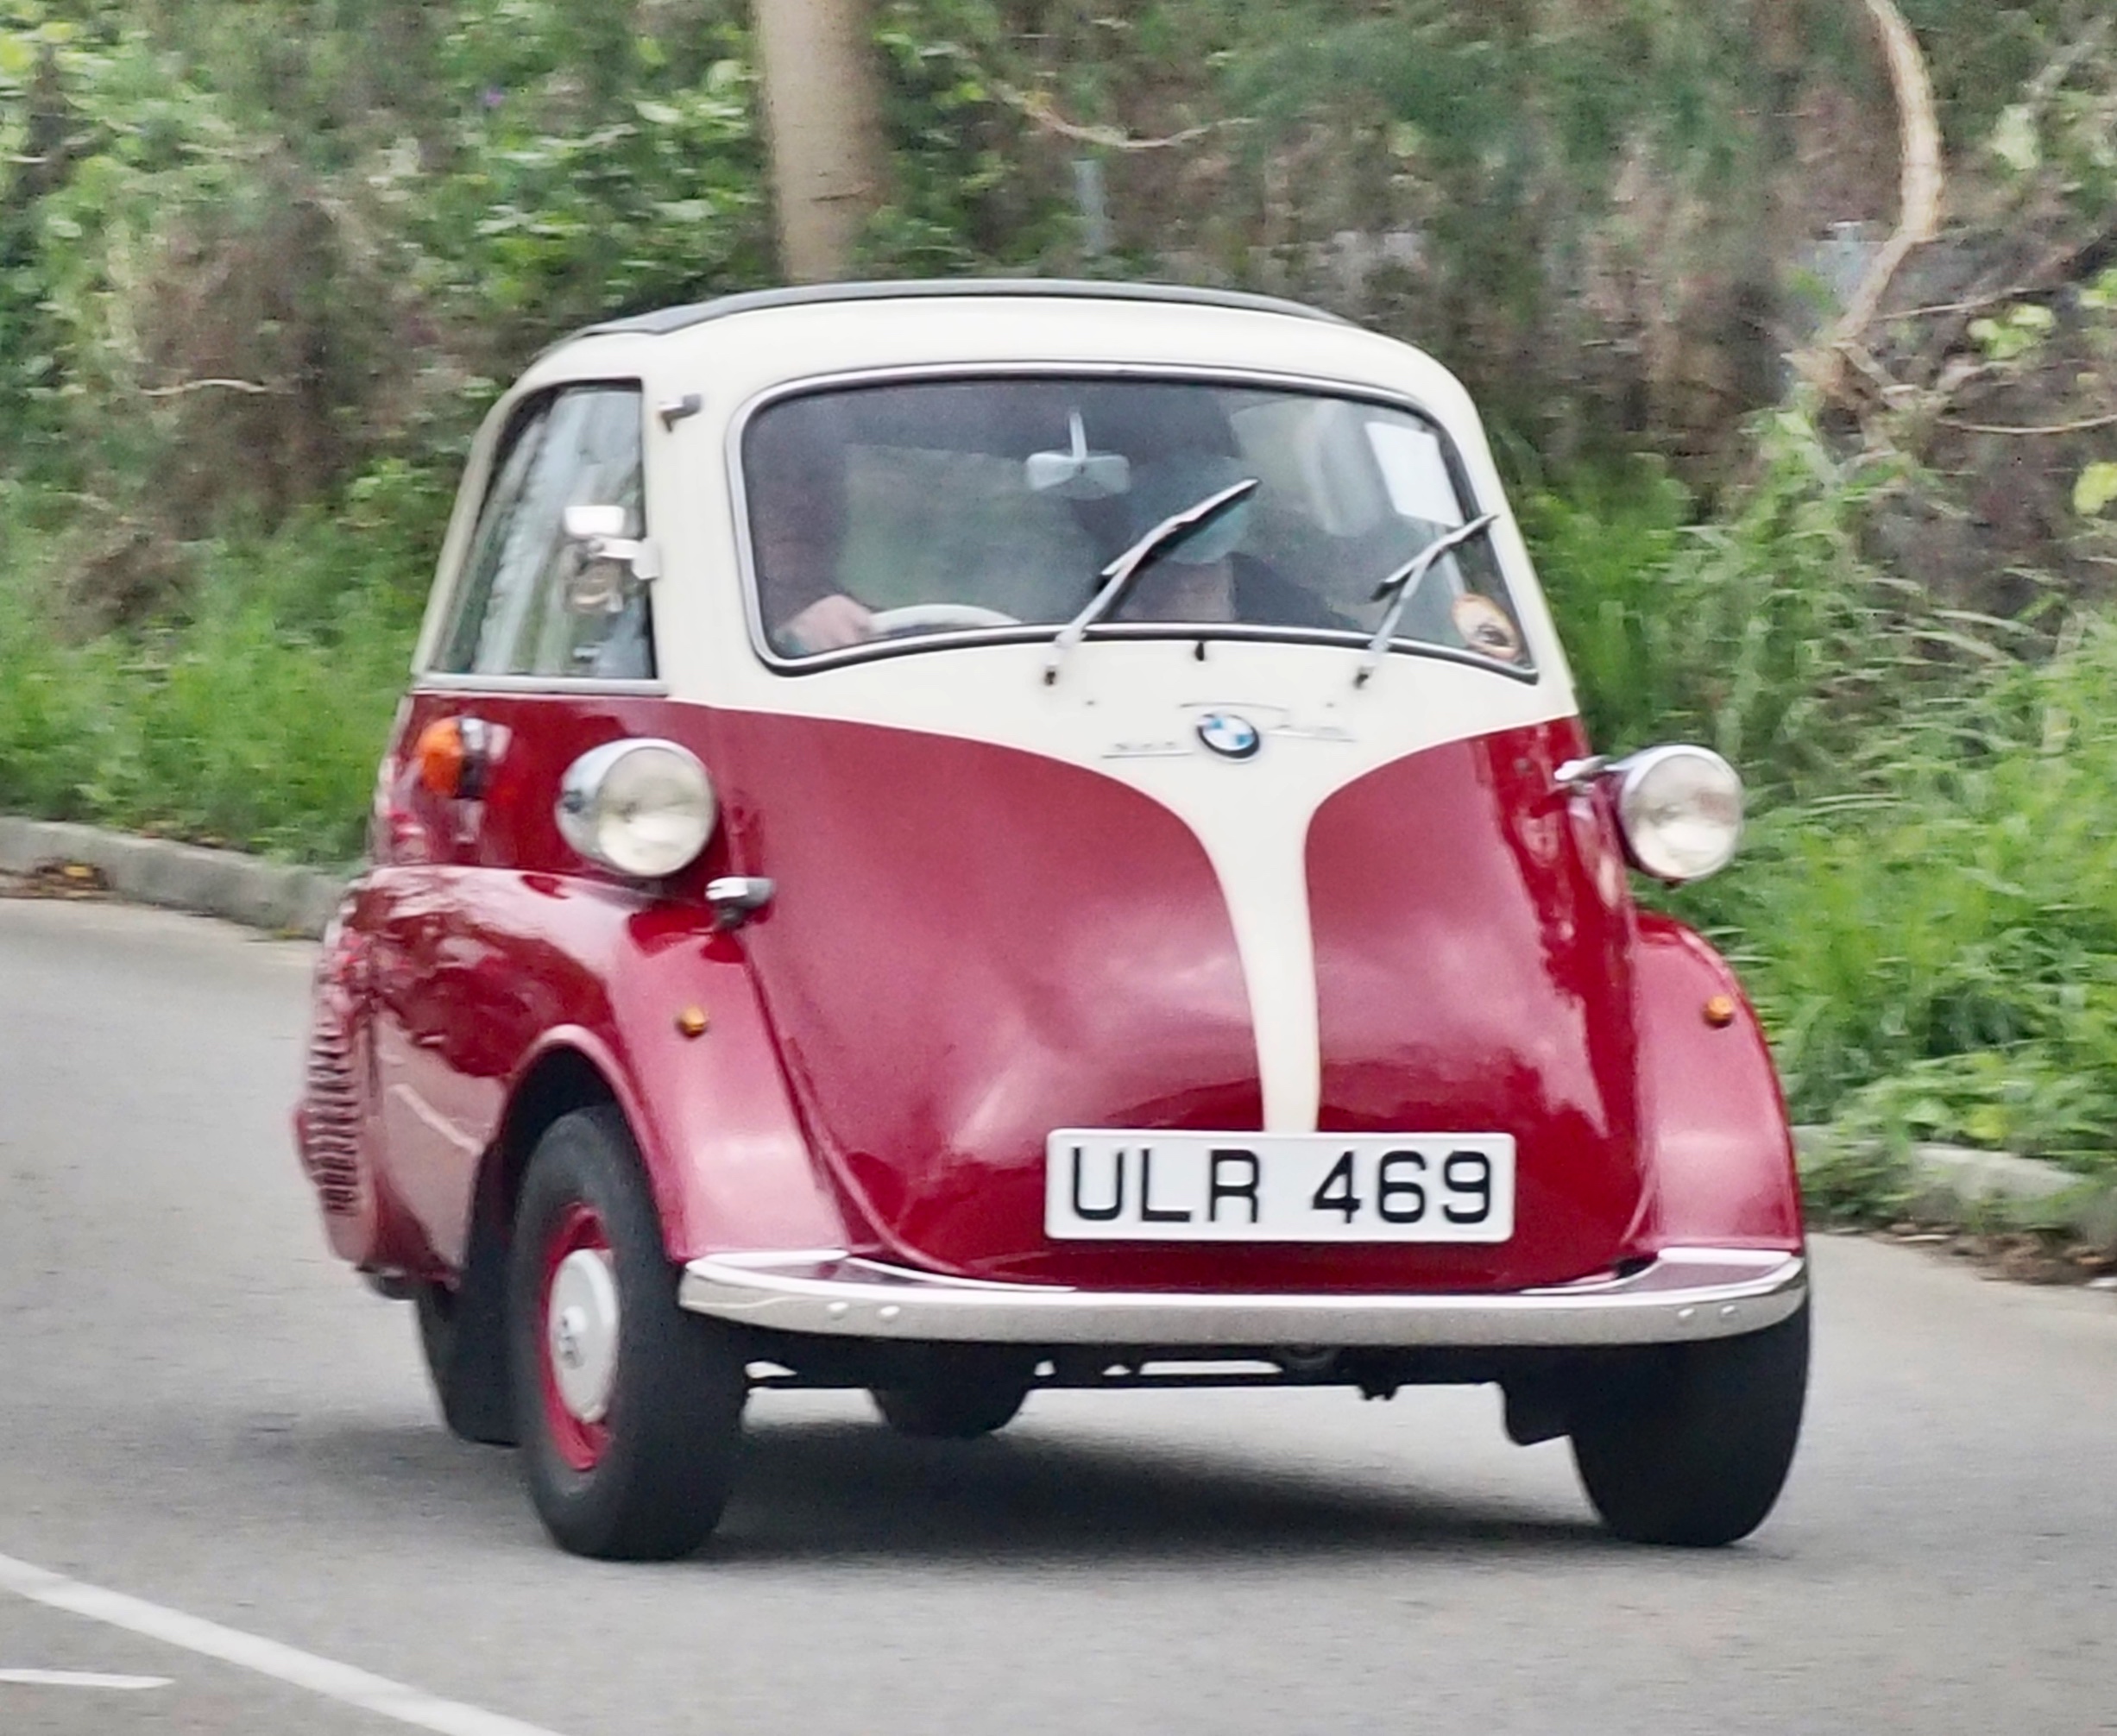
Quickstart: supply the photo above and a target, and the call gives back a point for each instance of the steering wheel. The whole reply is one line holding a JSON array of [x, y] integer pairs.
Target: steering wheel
[[938, 618]]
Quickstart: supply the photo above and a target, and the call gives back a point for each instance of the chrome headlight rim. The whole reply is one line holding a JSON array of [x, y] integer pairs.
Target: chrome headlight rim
[[1643, 830], [608, 791]]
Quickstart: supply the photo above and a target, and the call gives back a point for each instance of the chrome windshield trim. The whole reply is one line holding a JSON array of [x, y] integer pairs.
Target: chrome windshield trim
[[1211, 633], [1684, 1294]]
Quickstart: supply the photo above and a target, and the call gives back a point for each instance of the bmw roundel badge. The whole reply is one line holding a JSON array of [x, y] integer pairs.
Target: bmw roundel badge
[[1229, 736]]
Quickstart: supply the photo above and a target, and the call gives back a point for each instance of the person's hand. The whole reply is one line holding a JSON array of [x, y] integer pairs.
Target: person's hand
[[831, 623]]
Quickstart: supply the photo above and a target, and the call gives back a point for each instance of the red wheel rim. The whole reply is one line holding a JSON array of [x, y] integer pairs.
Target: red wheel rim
[[580, 1441]]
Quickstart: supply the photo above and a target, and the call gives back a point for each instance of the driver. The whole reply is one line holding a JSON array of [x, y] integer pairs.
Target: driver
[[797, 486]]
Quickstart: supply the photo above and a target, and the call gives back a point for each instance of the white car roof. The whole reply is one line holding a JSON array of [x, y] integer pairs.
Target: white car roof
[[742, 345], [668, 319]]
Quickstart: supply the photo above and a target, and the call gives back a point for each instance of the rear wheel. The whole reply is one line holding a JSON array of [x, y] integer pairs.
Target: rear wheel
[[954, 1394], [466, 1360], [1690, 1443], [463, 1333], [629, 1409]]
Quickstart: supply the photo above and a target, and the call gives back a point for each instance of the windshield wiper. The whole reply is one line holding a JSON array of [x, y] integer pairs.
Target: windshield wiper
[[1402, 585], [1118, 577]]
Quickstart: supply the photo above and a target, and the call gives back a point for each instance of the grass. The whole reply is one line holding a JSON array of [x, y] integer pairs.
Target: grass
[[250, 716], [1937, 956], [1926, 908]]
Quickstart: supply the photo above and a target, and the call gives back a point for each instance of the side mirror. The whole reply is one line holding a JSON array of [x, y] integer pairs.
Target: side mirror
[[600, 530], [594, 524]]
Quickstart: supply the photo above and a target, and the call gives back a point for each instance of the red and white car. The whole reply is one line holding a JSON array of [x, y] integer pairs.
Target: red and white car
[[956, 838]]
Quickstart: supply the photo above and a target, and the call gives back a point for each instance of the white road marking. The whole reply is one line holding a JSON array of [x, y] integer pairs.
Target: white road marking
[[339, 1682], [77, 1679]]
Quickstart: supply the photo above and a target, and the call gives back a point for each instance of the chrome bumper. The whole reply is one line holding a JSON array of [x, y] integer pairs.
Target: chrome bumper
[[1685, 1294]]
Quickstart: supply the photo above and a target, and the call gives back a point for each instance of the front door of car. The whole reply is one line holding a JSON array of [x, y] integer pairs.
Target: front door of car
[[535, 630]]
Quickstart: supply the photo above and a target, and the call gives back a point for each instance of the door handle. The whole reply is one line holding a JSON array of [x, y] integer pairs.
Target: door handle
[[737, 897]]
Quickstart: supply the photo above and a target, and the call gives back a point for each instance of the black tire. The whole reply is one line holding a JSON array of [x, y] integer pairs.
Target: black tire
[[462, 1333], [659, 1474], [1690, 1444], [952, 1394], [467, 1361]]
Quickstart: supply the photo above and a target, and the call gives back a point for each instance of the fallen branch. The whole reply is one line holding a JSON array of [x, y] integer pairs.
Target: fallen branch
[[183, 388], [1037, 107], [1976, 304], [1919, 215], [2032, 431]]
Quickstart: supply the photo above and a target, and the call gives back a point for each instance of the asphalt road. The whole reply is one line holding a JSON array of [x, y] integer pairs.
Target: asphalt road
[[199, 1411]]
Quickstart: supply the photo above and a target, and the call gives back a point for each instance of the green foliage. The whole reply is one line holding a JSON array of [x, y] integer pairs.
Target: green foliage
[[2095, 489], [1858, 1178], [593, 169], [314, 231], [1924, 908], [1770, 635], [1606, 548], [254, 720], [2015, 334], [1940, 953]]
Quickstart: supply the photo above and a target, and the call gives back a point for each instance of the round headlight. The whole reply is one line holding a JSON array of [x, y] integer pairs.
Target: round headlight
[[643, 808], [1681, 810]]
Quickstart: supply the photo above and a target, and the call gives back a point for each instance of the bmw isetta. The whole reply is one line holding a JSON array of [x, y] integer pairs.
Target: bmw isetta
[[948, 839]]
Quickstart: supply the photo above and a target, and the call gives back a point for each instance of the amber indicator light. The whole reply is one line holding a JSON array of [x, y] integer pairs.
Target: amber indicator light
[[1720, 1012], [693, 1021], [439, 757]]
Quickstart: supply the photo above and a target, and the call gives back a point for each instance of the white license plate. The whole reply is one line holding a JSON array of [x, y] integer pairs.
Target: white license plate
[[1106, 1185]]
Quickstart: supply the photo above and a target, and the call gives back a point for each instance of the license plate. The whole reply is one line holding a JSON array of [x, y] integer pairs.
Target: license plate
[[1105, 1184]]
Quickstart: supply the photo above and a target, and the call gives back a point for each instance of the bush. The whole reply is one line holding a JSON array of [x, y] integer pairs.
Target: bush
[[253, 719], [1937, 956]]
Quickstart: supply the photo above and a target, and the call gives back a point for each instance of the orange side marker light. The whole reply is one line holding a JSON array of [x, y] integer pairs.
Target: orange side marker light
[[439, 756]]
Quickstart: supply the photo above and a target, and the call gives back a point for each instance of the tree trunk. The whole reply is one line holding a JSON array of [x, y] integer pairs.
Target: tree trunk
[[824, 123]]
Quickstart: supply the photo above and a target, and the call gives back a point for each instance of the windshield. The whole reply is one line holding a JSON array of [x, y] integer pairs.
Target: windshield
[[881, 515]]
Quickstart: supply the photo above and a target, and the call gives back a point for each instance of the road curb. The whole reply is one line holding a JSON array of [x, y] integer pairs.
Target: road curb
[[1957, 1186], [271, 896]]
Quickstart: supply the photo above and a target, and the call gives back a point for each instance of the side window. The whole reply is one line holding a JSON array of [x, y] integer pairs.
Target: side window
[[528, 603]]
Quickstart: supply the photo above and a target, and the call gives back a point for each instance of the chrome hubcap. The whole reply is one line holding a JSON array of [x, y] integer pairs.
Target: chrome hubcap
[[581, 1332]]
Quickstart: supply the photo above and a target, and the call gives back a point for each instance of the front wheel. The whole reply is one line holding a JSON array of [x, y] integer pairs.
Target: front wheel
[[629, 1410], [1690, 1443]]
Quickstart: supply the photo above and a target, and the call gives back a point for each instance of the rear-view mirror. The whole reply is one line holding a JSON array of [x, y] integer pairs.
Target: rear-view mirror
[[1078, 474]]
